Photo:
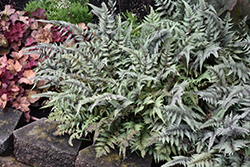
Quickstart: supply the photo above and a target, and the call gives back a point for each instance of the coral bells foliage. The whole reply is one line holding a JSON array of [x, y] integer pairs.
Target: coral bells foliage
[[16, 81], [17, 30], [15, 34]]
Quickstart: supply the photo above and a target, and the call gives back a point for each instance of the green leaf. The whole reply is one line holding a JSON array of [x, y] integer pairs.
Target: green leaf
[[157, 108]]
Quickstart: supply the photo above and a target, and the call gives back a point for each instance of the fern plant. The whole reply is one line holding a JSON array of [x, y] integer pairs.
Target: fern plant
[[178, 89]]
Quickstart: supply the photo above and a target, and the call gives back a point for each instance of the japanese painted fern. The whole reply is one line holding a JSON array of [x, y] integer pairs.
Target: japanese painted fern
[[178, 91]]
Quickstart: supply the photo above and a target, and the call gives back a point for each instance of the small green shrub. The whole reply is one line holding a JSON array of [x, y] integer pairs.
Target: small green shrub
[[177, 89], [65, 10]]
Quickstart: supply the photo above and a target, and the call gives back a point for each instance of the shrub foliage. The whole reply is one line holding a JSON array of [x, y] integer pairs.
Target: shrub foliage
[[177, 89], [74, 11]]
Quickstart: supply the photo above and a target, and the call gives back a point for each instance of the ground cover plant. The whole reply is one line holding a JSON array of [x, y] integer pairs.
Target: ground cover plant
[[17, 69], [74, 11], [176, 86]]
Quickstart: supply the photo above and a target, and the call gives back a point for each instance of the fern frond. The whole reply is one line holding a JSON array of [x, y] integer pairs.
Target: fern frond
[[230, 147], [177, 160], [167, 8], [96, 100], [126, 139], [177, 136], [203, 55], [201, 160], [105, 141], [140, 141], [107, 20], [213, 94], [245, 44]]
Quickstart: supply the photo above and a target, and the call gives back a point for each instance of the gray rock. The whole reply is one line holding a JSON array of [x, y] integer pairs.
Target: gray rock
[[8, 121], [10, 161], [35, 144], [87, 158]]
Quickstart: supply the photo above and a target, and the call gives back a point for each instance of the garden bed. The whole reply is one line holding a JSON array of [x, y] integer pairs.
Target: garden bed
[[176, 86]]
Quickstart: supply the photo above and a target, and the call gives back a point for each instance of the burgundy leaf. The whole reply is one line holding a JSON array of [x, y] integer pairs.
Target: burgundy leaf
[[29, 41], [31, 64], [39, 13], [16, 32], [3, 89], [56, 36], [6, 76], [15, 45]]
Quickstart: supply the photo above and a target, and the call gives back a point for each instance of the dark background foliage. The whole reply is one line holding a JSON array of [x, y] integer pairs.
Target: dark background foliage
[[17, 4], [139, 7]]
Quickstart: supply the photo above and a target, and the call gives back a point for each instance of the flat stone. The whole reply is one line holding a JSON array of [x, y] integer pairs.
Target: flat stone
[[87, 158], [35, 144], [10, 161], [8, 121]]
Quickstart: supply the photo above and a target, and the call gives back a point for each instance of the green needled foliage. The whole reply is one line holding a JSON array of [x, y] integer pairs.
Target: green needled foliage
[[177, 89]]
